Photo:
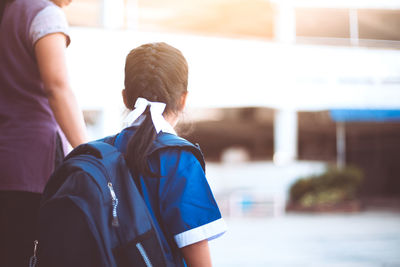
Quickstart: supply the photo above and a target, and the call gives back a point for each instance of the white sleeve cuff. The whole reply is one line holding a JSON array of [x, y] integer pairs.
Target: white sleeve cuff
[[207, 231]]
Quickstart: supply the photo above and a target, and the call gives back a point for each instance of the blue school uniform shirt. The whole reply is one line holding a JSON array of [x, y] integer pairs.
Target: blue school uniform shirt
[[180, 201]]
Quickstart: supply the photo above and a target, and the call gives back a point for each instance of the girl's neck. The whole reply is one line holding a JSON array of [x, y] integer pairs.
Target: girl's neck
[[172, 119]]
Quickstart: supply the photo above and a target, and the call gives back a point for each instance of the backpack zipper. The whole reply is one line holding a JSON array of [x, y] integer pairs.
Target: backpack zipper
[[114, 198], [33, 259], [144, 255], [115, 221]]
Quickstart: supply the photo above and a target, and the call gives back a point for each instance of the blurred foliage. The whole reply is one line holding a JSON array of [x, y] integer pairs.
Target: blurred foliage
[[329, 188]]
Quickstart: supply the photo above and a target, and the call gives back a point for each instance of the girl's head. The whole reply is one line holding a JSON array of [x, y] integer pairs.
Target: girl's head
[[157, 72]]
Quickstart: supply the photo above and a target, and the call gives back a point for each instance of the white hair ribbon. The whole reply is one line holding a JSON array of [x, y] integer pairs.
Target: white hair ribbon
[[156, 111]]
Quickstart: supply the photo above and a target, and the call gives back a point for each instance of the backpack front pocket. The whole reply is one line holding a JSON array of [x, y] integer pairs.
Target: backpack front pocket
[[144, 249]]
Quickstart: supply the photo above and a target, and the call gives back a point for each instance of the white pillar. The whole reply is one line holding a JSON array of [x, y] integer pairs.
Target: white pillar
[[285, 22], [113, 14], [285, 136], [132, 8], [353, 22], [341, 144]]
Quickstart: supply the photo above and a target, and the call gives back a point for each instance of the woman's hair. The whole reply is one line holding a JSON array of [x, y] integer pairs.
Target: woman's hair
[[157, 72]]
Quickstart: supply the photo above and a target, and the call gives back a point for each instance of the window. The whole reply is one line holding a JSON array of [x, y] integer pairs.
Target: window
[[322, 22], [344, 26], [379, 24]]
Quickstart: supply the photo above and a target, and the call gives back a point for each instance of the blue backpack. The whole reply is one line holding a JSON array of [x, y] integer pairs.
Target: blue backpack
[[93, 215]]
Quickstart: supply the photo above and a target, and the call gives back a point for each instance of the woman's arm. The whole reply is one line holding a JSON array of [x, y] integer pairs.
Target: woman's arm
[[50, 55], [197, 254]]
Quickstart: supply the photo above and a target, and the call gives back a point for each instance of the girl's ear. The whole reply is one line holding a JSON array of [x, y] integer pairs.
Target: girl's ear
[[124, 97], [183, 100]]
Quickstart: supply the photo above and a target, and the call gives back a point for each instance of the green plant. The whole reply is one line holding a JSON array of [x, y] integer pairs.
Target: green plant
[[329, 188]]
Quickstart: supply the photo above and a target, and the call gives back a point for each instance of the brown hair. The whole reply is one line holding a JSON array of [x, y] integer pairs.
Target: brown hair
[[157, 72]]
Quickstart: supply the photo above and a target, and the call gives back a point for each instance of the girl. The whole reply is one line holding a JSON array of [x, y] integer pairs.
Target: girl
[[172, 182]]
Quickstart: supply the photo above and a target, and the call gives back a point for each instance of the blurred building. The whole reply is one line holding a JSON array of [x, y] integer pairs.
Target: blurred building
[[265, 76]]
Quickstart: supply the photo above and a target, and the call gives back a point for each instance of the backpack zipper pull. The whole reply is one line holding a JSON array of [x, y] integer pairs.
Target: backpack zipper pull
[[33, 259], [114, 198]]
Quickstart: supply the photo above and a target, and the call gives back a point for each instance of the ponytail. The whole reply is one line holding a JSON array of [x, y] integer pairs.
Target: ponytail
[[139, 145]]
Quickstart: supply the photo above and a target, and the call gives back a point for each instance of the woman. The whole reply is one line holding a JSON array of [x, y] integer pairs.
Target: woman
[[172, 181], [35, 102]]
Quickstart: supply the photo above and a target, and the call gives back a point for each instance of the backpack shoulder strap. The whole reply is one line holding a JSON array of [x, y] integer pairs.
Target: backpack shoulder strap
[[109, 139], [167, 141], [98, 149]]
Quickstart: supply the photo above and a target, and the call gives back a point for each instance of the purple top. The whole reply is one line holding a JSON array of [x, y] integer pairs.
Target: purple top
[[28, 129]]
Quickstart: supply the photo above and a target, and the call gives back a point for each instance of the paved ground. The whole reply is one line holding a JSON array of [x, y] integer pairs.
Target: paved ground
[[350, 240]]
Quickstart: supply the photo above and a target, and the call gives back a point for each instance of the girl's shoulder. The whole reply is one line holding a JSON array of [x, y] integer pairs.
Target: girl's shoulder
[[165, 147], [173, 144]]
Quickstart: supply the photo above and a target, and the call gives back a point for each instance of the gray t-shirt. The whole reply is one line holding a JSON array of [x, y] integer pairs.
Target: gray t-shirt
[[49, 20]]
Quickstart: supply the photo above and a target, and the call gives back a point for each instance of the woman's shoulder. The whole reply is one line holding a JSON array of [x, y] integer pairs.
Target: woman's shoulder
[[50, 19]]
